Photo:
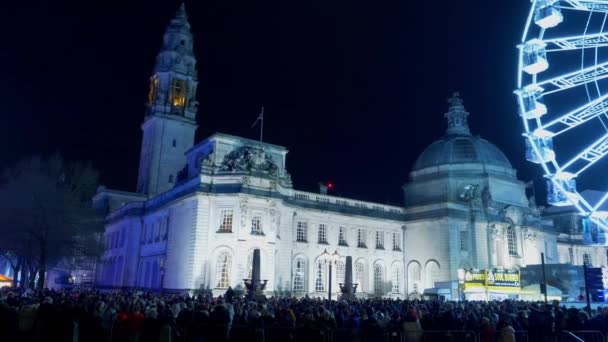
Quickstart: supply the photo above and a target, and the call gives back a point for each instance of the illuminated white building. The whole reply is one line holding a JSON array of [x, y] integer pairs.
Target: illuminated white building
[[200, 210]]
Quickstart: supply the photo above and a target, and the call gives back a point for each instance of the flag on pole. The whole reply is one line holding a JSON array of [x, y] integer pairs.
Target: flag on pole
[[260, 118]]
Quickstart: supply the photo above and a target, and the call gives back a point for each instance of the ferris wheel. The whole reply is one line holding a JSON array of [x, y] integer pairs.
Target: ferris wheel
[[563, 99]]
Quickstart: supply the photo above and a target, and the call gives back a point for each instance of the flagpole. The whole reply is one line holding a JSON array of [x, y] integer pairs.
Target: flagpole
[[262, 124]]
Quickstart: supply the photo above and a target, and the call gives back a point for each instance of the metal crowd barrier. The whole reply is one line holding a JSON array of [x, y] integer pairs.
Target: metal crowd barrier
[[440, 335], [582, 336], [278, 334], [521, 336]]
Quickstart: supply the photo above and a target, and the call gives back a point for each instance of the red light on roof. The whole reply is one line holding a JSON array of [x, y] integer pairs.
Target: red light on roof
[[330, 185]]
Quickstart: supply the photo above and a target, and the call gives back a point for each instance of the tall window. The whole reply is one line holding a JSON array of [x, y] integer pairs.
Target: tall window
[[342, 237], [153, 89], [150, 233], [396, 279], [226, 216], [320, 277], [299, 277], [571, 255], [463, 240], [156, 231], [164, 222], [340, 272], [378, 279], [178, 93], [432, 273], [379, 240], [587, 259], [548, 250], [256, 224], [323, 233], [123, 232], [222, 270], [413, 276], [360, 276], [144, 234], [361, 238], [396, 241], [302, 231], [511, 241]]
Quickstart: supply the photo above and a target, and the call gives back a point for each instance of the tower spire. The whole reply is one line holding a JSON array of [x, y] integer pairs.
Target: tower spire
[[457, 116], [170, 121]]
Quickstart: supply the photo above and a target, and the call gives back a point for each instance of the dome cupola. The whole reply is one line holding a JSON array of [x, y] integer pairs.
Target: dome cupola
[[458, 146]]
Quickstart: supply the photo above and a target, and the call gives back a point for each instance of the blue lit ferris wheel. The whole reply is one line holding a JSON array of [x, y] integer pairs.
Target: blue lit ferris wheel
[[563, 99]]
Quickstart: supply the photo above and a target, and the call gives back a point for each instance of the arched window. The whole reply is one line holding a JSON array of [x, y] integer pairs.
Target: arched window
[[379, 279], [153, 89], [155, 278], [178, 93], [147, 275], [320, 277], [222, 270], [413, 276], [512, 240], [299, 277], [340, 272], [396, 279], [432, 273], [360, 276]]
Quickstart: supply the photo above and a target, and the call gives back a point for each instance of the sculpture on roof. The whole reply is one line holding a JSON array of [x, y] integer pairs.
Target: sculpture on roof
[[249, 159]]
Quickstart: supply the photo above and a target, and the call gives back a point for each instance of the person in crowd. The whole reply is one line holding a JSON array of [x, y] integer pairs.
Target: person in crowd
[[125, 316]]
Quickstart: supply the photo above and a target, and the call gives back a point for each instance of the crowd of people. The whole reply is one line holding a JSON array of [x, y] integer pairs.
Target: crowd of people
[[29, 315]]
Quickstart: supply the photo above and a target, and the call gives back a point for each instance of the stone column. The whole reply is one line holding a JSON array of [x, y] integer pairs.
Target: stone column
[[255, 289], [492, 257], [347, 288], [255, 269]]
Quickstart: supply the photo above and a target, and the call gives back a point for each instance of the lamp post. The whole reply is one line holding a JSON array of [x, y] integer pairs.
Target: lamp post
[[329, 259]]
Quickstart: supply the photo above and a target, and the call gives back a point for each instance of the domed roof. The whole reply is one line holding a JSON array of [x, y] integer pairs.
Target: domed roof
[[456, 149], [458, 145]]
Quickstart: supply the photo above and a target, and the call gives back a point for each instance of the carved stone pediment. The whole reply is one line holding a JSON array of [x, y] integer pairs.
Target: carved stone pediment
[[513, 215], [249, 159]]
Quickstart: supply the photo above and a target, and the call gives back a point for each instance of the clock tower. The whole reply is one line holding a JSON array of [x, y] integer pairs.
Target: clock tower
[[170, 122]]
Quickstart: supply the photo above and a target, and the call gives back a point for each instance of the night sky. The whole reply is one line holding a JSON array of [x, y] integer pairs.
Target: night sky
[[354, 89]]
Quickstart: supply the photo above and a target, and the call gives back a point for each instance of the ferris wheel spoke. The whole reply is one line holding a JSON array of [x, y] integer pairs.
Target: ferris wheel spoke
[[585, 5], [601, 202], [574, 79], [590, 155], [596, 40], [573, 119]]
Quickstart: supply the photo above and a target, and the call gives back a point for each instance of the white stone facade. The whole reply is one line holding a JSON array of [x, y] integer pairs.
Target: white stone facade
[[201, 210], [204, 230]]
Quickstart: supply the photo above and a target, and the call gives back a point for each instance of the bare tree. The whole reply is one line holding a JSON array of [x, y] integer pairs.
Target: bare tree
[[46, 212]]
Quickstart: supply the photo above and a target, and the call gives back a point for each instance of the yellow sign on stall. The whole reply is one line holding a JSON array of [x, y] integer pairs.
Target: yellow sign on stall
[[474, 279], [492, 280], [503, 280]]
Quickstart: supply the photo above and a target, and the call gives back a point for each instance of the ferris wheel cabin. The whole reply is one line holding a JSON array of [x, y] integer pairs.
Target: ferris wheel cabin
[[548, 14]]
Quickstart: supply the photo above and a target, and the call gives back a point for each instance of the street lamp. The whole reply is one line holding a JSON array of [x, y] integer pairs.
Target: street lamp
[[329, 259]]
